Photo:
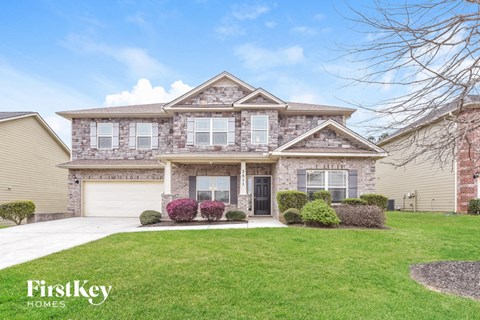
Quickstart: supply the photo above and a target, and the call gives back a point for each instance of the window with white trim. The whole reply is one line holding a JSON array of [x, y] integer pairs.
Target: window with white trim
[[334, 181], [259, 129], [213, 188], [144, 135], [211, 131], [105, 135]]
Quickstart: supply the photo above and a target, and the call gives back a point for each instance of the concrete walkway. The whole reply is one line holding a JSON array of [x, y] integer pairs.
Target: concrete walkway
[[27, 242]]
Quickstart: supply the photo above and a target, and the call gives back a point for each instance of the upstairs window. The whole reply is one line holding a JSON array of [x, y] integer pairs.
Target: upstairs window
[[334, 181], [213, 188], [260, 129], [144, 135], [105, 135], [211, 131]]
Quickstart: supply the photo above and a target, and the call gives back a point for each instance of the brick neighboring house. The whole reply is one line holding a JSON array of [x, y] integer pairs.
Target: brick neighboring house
[[436, 188], [223, 140]]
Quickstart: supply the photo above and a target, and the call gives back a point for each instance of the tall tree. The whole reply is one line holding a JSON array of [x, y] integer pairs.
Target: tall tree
[[430, 52]]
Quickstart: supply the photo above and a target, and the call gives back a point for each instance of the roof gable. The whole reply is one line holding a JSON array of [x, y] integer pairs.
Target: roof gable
[[348, 139], [259, 97], [223, 89]]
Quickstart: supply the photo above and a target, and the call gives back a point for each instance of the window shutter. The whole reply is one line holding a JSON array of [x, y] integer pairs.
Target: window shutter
[[231, 131], [302, 180], [154, 135], [132, 136], [233, 190], [352, 183], [190, 131], [115, 135], [192, 187], [93, 135]]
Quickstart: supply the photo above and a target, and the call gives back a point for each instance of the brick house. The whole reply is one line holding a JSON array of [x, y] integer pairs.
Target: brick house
[[435, 188], [224, 140]]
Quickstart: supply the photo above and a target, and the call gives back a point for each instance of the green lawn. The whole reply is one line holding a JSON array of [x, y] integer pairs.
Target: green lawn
[[294, 273]]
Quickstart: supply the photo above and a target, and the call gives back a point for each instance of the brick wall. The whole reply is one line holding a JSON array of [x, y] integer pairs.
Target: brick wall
[[290, 127]]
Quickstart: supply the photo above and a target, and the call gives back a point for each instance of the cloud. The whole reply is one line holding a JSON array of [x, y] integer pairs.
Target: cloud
[[256, 58], [319, 17], [143, 93], [137, 60], [249, 12], [270, 24], [229, 28], [304, 30]]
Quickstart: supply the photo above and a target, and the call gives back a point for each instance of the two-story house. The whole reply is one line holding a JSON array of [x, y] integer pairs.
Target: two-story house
[[224, 140]]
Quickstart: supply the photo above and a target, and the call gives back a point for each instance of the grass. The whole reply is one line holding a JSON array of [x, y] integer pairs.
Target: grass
[[291, 273]]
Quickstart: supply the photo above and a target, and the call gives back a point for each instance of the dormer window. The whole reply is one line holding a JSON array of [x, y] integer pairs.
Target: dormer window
[[105, 135], [260, 129]]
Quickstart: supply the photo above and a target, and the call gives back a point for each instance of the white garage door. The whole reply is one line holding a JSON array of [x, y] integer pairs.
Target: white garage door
[[121, 198]]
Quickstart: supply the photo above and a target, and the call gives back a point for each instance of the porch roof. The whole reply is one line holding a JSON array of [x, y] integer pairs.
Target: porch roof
[[216, 157]]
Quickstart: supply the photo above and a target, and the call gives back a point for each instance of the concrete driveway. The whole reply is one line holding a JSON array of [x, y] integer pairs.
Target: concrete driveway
[[31, 241]]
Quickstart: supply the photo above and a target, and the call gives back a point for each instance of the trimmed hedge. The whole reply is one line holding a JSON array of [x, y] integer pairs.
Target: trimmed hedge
[[474, 206], [354, 202], [361, 216], [292, 216], [235, 215], [150, 217], [182, 210], [324, 195], [287, 199], [319, 213], [16, 211], [212, 210], [373, 199]]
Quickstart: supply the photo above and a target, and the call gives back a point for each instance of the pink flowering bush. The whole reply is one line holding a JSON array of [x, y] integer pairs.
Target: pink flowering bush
[[212, 210], [182, 210]]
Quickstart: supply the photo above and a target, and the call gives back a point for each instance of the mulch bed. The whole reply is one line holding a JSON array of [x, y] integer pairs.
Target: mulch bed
[[191, 223], [456, 277]]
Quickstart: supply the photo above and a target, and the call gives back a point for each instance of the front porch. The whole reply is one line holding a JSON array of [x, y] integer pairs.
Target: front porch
[[243, 182]]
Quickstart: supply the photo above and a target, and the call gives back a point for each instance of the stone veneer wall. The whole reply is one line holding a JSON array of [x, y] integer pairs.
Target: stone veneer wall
[[75, 190], [246, 131], [285, 172], [81, 139], [224, 92], [327, 138], [290, 127]]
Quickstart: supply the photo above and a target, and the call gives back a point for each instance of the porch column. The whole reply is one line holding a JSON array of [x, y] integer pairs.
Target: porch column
[[243, 178], [167, 180]]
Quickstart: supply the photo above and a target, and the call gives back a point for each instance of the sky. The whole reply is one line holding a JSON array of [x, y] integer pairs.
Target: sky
[[67, 55]]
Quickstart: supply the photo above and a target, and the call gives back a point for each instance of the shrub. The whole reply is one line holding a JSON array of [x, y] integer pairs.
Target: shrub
[[354, 202], [182, 210], [16, 211], [474, 206], [212, 210], [150, 217], [291, 199], [319, 213], [375, 200], [235, 215], [361, 216], [324, 195], [292, 215]]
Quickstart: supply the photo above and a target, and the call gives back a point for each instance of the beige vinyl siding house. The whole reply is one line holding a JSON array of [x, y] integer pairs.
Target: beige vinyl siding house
[[434, 187], [30, 151]]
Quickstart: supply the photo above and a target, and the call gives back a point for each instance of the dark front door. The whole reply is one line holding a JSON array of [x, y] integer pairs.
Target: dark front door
[[262, 196]]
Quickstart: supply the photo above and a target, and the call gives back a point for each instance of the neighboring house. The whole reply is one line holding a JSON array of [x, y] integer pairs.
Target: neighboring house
[[424, 184], [224, 140], [30, 152]]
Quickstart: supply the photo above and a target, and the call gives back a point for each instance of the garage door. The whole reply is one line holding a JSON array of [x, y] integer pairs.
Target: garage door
[[121, 198]]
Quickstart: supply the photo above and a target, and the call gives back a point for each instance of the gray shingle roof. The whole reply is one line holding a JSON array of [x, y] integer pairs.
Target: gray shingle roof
[[432, 116], [7, 115], [300, 106]]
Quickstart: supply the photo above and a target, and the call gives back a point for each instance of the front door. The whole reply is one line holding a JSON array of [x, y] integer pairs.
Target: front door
[[261, 196]]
